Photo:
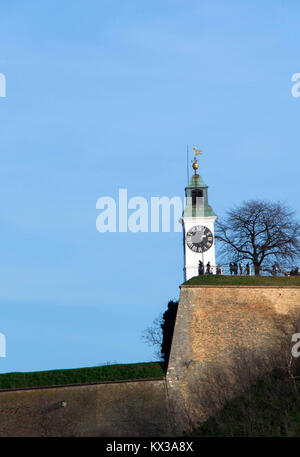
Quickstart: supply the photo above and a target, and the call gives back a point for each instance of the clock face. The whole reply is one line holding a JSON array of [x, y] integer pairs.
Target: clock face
[[199, 238]]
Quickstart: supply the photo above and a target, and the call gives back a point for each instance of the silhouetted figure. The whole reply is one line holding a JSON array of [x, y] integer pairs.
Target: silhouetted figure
[[200, 268], [219, 269], [208, 268], [231, 268], [241, 268], [294, 271], [248, 269], [236, 269], [275, 269]]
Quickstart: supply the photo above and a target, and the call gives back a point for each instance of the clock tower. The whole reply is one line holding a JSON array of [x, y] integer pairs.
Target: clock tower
[[198, 226]]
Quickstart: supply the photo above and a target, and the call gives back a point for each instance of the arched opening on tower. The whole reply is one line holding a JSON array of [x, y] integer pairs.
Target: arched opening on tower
[[196, 193]]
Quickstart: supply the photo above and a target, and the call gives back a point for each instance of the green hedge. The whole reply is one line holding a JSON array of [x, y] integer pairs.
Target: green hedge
[[104, 373], [224, 280]]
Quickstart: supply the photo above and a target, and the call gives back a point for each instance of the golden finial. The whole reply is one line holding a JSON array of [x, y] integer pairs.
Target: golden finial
[[197, 152]]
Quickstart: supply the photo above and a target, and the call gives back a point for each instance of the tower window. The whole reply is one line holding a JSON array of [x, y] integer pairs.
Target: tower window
[[197, 193]]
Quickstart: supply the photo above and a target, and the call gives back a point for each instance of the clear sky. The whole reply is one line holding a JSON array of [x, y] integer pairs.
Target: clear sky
[[106, 94]]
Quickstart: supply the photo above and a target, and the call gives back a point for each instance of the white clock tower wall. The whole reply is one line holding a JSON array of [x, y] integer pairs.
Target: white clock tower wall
[[191, 258], [198, 221]]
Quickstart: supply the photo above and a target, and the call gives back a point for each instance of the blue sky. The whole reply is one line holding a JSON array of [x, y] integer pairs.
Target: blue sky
[[103, 95]]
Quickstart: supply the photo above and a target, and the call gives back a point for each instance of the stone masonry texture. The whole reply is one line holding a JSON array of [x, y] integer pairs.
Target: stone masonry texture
[[135, 408], [215, 322], [212, 325]]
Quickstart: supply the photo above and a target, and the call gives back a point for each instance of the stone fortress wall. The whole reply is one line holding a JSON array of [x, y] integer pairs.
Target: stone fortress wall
[[111, 409], [212, 323], [215, 324]]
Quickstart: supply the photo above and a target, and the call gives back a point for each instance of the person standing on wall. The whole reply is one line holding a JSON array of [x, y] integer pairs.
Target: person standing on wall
[[248, 269], [200, 268], [241, 268], [275, 268], [235, 268]]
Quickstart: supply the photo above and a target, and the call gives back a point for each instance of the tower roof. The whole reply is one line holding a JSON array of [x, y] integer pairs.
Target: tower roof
[[196, 181], [194, 208], [190, 210]]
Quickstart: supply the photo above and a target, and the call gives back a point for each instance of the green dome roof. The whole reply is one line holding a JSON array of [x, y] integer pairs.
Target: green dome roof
[[197, 181]]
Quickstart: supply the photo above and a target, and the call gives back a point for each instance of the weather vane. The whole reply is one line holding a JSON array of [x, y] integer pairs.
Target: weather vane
[[197, 152]]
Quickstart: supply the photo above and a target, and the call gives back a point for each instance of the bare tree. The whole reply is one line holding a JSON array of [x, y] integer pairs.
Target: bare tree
[[160, 333], [261, 232], [153, 336]]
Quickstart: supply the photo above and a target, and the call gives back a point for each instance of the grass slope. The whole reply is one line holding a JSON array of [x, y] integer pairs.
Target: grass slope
[[224, 280], [120, 372]]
